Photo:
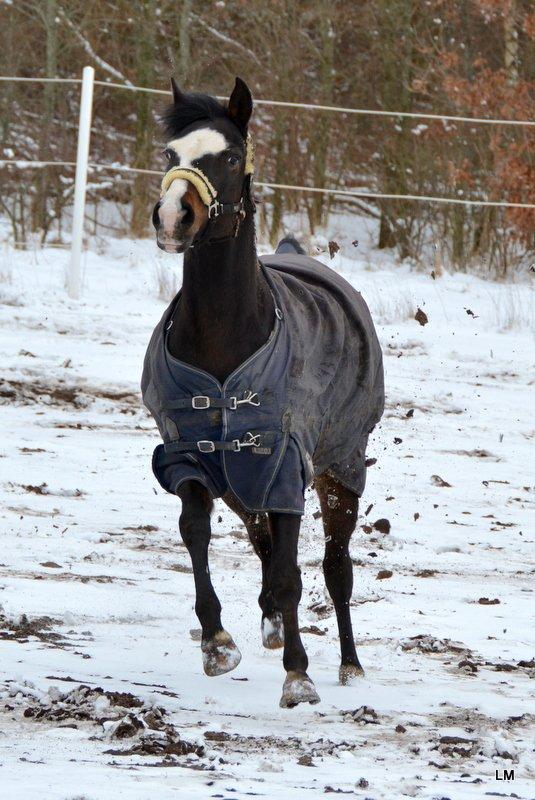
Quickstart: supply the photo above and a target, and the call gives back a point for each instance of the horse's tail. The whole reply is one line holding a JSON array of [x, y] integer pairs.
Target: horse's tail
[[289, 244]]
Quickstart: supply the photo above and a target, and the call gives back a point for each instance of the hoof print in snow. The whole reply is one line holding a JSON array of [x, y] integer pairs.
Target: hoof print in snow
[[485, 601]]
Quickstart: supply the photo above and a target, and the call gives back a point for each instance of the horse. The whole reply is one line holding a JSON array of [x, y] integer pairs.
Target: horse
[[264, 377]]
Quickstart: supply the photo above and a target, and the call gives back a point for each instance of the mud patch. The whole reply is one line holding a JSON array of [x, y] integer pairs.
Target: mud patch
[[60, 393], [117, 715], [23, 630]]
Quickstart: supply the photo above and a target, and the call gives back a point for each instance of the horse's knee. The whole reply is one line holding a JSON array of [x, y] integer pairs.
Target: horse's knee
[[286, 586], [194, 526]]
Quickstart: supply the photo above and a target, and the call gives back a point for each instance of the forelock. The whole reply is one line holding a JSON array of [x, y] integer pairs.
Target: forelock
[[194, 108]]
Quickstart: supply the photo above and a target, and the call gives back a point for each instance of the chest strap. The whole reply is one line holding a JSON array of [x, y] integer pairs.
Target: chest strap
[[209, 446], [201, 402]]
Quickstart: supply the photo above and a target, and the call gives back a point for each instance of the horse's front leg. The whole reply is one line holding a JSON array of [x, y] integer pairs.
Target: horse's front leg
[[285, 583], [219, 653]]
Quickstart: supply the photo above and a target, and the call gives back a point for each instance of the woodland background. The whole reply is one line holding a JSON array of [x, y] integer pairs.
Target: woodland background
[[468, 57]]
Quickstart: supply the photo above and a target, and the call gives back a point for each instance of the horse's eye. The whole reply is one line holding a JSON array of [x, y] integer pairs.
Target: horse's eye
[[168, 153], [233, 160]]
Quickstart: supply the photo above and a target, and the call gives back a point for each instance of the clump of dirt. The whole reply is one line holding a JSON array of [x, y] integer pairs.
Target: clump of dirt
[[321, 609], [426, 643], [143, 528], [382, 525], [44, 489], [313, 629], [383, 574], [363, 715], [23, 629], [151, 746], [456, 746]]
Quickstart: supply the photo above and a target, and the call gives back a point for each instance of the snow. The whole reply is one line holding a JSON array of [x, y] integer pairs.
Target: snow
[[92, 556]]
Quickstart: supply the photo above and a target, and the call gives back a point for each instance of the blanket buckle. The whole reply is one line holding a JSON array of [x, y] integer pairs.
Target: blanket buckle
[[200, 402], [253, 440], [206, 446], [249, 397]]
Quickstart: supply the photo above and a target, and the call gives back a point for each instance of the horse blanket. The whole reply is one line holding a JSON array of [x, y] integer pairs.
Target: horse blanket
[[301, 405]]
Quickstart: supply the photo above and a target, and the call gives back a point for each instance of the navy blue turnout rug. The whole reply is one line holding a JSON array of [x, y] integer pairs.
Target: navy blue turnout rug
[[303, 404]]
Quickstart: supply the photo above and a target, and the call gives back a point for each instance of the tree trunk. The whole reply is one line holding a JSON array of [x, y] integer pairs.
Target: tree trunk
[[47, 179], [323, 125], [183, 43], [146, 56], [277, 208], [511, 43]]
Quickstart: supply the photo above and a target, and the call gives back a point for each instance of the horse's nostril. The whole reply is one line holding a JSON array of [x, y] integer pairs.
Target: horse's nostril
[[189, 216], [156, 221]]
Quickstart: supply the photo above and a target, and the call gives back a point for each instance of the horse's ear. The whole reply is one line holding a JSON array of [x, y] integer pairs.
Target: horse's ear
[[240, 105], [178, 97]]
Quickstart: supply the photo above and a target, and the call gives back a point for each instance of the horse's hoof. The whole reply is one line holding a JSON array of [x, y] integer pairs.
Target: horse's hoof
[[220, 654], [273, 631], [348, 673], [298, 688]]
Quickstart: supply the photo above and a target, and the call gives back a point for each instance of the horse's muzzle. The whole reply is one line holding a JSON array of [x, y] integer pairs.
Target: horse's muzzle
[[175, 238]]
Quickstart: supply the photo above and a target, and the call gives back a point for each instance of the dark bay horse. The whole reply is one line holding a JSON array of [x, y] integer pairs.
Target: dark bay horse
[[263, 376]]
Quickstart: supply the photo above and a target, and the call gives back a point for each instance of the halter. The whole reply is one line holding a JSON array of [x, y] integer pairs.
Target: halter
[[207, 192]]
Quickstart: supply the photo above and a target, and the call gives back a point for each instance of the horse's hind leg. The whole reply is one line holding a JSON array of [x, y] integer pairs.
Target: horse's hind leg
[[257, 528], [339, 508]]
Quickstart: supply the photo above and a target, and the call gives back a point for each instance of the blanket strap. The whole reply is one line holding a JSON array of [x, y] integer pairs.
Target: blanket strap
[[209, 446], [201, 402]]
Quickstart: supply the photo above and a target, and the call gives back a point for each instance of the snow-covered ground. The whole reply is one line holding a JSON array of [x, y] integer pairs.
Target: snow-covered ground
[[96, 588]]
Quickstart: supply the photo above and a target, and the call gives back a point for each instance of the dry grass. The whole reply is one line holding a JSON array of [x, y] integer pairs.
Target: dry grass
[[512, 310], [168, 279], [388, 308]]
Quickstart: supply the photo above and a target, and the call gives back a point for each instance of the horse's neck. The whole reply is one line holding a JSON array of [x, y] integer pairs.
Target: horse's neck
[[225, 312]]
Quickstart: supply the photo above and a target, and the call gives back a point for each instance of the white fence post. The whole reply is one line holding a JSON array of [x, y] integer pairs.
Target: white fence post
[[74, 276]]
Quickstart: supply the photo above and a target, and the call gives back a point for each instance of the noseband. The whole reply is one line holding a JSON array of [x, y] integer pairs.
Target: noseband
[[207, 192]]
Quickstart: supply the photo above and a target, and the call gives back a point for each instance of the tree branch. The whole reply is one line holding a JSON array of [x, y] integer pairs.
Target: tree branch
[[89, 50], [226, 39]]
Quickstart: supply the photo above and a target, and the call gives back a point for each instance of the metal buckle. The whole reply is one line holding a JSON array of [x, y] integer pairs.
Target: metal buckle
[[237, 445], [200, 402], [206, 446], [233, 403], [214, 209], [249, 397]]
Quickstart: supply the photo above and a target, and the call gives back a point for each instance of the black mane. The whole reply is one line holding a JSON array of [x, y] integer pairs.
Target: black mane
[[195, 108]]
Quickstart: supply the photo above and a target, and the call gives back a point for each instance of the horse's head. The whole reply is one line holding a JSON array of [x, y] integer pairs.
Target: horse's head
[[206, 188]]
